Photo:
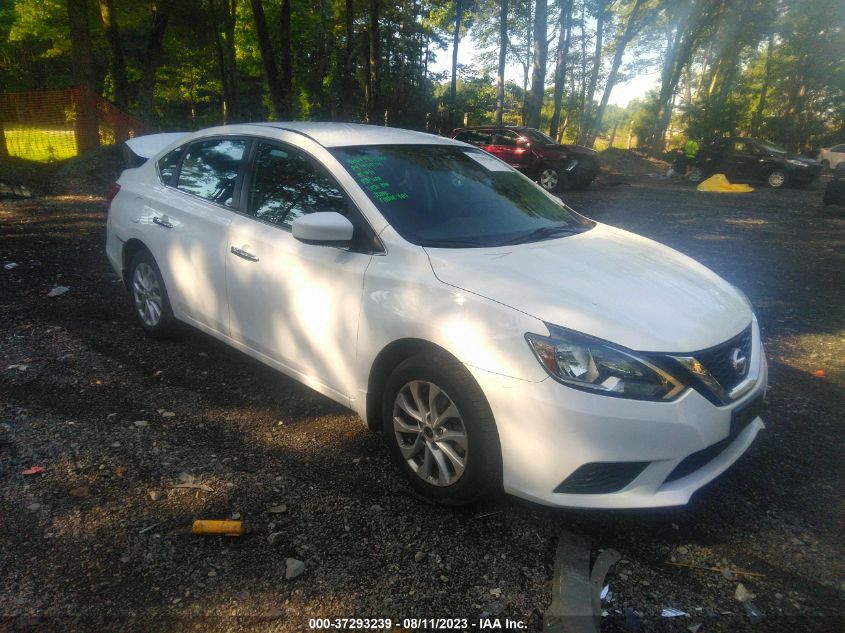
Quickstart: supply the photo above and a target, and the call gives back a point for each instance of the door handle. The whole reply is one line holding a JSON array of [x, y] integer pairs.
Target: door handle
[[163, 222], [244, 254]]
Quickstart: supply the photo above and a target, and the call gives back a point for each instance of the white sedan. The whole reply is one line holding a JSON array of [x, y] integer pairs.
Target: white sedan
[[497, 337], [831, 157]]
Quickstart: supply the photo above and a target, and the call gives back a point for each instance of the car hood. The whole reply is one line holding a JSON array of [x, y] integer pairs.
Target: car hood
[[803, 159], [578, 149], [607, 283]]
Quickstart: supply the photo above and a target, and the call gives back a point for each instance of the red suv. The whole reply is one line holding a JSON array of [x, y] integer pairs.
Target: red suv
[[555, 167]]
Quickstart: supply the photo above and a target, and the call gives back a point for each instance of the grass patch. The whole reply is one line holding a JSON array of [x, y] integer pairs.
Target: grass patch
[[40, 143]]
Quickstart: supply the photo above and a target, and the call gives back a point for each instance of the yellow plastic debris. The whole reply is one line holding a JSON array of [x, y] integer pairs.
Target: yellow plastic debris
[[719, 183], [226, 528]]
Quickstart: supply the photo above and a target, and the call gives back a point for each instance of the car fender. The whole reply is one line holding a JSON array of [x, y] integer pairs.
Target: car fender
[[403, 299]]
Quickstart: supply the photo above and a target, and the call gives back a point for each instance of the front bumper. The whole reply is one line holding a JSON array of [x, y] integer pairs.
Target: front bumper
[[548, 431]]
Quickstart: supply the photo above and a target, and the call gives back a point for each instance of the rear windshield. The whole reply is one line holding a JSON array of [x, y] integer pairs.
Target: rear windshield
[[453, 197]]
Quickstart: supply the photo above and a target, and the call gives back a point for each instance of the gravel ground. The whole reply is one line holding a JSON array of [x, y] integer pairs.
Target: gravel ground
[[100, 539]]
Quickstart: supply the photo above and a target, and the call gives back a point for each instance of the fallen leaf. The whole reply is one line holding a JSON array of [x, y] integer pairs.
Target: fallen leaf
[[35, 470], [279, 509], [80, 492]]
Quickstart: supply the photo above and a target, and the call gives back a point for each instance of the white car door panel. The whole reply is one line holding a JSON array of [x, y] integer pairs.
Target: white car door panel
[[294, 303], [188, 229]]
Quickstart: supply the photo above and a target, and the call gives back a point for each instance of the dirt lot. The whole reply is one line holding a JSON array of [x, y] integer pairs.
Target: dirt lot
[[116, 420]]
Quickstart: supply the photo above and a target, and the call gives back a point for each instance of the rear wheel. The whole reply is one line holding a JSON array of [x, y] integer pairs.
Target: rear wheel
[[695, 175], [440, 430], [551, 178], [777, 179], [148, 295]]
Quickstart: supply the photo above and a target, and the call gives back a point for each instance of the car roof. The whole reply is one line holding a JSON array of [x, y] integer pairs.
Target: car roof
[[353, 134]]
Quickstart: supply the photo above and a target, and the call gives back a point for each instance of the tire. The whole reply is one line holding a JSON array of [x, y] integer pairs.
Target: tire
[[551, 178], [148, 296], [777, 179], [696, 175], [469, 432]]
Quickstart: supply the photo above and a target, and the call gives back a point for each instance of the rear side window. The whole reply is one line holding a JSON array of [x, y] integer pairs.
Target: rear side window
[[286, 185], [839, 149], [210, 169], [168, 164], [476, 137]]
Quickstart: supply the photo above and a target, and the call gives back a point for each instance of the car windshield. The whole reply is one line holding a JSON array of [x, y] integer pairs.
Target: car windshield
[[771, 147], [454, 197], [537, 136]]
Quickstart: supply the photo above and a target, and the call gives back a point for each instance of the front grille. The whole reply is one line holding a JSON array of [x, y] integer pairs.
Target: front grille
[[719, 360], [601, 478]]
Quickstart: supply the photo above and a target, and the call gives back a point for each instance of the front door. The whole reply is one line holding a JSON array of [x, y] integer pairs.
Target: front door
[[294, 303]]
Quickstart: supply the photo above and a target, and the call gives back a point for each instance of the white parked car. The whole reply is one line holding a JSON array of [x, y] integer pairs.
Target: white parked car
[[831, 157], [498, 338]]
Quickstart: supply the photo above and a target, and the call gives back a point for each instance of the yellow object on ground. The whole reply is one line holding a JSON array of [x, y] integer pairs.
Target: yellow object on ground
[[720, 184], [227, 528]]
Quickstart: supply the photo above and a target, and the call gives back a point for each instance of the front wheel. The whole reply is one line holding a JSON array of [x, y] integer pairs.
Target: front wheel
[[551, 178], [440, 430], [777, 179]]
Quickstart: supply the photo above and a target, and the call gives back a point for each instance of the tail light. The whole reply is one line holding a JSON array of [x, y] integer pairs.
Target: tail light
[[112, 192]]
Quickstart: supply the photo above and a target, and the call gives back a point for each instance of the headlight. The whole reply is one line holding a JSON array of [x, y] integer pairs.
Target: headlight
[[797, 163], [592, 365]]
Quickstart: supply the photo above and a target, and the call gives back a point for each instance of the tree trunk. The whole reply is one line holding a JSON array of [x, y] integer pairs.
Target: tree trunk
[[86, 127], [374, 111], [538, 67], [583, 87], [560, 64], [268, 59], [586, 114], [349, 63], [757, 119], [151, 61], [287, 65], [527, 65], [456, 40], [503, 52], [118, 63], [621, 45]]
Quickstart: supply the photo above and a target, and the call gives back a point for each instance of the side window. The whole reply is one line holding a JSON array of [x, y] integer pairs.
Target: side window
[[210, 169], [476, 137], [286, 185], [839, 149], [506, 138], [168, 164]]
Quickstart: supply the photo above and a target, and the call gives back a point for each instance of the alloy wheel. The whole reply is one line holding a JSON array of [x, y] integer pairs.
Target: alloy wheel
[[147, 294], [430, 433], [777, 179], [548, 179]]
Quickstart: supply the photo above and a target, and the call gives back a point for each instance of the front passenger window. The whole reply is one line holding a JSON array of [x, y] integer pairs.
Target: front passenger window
[[210, 169], [286, 185]]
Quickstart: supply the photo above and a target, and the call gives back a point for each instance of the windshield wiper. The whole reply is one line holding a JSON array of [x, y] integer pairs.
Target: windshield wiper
[[546, 233]]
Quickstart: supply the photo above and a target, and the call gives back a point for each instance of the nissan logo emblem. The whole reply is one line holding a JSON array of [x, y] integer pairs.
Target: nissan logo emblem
[[738, 361]]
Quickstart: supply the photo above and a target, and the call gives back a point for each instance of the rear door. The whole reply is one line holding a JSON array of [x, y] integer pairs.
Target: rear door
[[189, 217], [296, 304], [512, 149]]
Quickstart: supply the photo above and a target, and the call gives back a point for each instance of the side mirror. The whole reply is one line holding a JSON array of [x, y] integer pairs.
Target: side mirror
[[325, 228], [523, 142]]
